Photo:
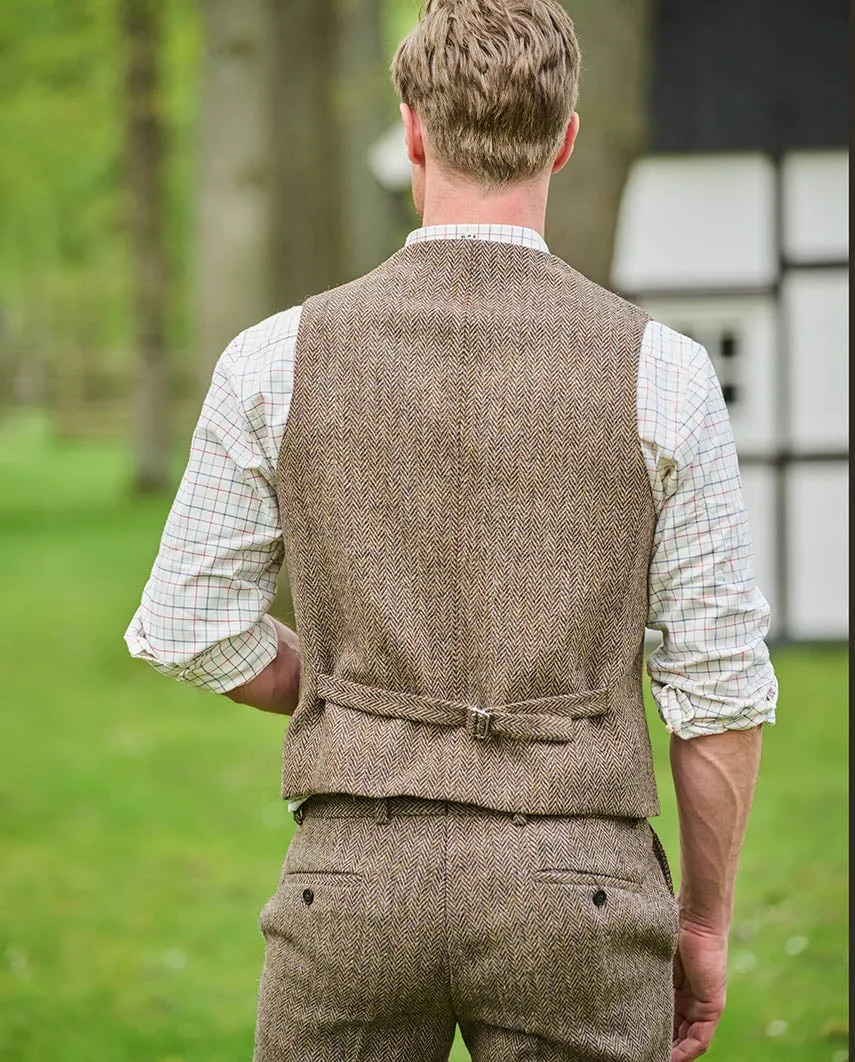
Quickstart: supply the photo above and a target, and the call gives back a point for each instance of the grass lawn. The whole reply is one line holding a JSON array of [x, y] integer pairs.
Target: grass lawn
[[142, 829]]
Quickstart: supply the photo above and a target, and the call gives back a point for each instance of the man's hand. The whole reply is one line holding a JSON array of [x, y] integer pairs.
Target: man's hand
[[700, 977], [277, 688]]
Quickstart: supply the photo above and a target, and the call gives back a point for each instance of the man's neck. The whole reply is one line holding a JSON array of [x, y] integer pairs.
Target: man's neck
[[454, 202]]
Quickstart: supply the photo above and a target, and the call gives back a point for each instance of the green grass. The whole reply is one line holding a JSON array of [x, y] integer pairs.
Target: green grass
[[142, 829]]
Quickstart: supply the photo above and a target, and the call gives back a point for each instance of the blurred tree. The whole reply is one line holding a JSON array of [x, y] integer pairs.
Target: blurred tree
[[306, 199], [63, 241], [332, 99], [67, 258], [293, 94], [233, 244], [365, 105], [614, 107], [144, 153]]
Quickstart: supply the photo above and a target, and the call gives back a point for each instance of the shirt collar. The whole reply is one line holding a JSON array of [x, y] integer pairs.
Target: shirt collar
[[515, 234]]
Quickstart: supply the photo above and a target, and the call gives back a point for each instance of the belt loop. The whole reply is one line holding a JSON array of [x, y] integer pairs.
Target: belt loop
[[382, 811]]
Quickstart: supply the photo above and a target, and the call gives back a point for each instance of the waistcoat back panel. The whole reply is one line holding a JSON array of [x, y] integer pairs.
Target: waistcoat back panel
[[468, 520]]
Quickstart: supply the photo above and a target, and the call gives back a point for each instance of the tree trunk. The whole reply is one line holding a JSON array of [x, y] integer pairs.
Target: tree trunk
[[364, 105], [307, 200], [614, 107], [144, 153], [333, 98], [234, 243]]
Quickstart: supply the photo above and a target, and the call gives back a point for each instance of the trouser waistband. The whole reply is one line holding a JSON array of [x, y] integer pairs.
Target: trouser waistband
[[383, 809]]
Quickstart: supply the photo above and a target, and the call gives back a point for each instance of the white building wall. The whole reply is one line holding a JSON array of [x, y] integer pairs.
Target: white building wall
[[816, 206], [816, 311], [696, 223], [818, 550], [701, 244]]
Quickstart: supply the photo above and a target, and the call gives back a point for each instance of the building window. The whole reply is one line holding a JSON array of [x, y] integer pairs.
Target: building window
[[724, 347]]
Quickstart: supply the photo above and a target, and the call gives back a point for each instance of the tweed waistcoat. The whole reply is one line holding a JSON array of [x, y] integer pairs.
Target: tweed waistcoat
[[468, 523]]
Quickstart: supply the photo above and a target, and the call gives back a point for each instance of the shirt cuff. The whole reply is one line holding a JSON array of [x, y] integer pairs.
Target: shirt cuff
[[224, 666], [689, 714]]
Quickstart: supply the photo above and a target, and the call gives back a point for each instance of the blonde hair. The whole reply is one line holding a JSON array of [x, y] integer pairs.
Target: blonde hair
[[495, 83]]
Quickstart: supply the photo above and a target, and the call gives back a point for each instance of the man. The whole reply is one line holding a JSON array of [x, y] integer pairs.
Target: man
[[487, 476]]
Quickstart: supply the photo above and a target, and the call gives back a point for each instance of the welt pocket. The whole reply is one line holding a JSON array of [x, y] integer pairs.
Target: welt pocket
[[327, 877], [587, 878]]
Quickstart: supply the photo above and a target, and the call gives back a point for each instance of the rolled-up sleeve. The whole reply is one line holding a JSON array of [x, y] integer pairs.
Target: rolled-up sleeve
[[712, 671], [203, 615]]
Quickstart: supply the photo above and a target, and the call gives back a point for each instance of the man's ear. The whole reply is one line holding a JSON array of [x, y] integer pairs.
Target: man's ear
[[567, 146], [413, 135]]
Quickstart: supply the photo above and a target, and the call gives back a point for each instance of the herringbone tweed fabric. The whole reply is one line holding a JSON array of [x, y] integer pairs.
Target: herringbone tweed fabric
[[468, 522], [545, 938]]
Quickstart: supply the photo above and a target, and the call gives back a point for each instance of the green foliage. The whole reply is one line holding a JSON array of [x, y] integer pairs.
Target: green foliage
[[142, 830], [401, 16], [58, 158], [63, 246], [64, 256]]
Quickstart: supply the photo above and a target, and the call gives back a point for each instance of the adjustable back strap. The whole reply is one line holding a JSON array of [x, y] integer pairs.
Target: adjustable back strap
[[540, 719]]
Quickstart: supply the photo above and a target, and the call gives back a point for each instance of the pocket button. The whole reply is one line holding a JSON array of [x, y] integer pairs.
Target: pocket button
[[308, 895], [599, 897]]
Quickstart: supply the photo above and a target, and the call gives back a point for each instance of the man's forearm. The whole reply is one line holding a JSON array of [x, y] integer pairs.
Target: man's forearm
[[714, 779], [277, 688]]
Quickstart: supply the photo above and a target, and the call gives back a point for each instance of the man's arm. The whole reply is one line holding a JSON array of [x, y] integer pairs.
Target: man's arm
[[711, 677], [277, 688], [714, 779], [203, 618]]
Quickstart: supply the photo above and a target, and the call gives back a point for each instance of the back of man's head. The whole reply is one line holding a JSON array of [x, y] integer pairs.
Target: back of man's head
[[494, 83]]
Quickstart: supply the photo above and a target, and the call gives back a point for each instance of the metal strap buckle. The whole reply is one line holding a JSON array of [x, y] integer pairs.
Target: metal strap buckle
[[478, 722]]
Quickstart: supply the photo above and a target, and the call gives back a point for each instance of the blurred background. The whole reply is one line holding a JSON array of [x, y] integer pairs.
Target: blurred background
[[171, 172]]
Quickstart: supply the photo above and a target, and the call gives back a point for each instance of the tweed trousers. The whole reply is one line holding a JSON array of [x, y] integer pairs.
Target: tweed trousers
[[395, 919]]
